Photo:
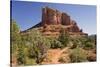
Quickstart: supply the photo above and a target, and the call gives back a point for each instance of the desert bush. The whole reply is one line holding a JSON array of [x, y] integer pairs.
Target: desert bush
[[20, 56], [64, 38], [32, 44], [38, 45], [78, 55], [30, 61], [14, 36], [55, 44], [88, 43], [75, 43], [16, 43], [85, 42]]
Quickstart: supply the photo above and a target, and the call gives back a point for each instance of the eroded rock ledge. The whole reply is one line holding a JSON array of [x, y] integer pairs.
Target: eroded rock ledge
[[53, 21]]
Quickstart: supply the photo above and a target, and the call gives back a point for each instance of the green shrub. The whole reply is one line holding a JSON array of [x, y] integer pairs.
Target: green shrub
[[75, 43], [78, 55], [14, 36], [64, 38], [88, 45], [20, 56], [55, 44], [30, 61], [38, 45]]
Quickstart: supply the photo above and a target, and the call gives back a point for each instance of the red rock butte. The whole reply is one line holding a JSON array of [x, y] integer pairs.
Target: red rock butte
[[53, 21]]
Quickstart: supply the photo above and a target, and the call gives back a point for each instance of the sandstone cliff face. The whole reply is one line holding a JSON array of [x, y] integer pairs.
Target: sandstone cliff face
[[65, 19], [53, 21], [50, 16], [55, 17]]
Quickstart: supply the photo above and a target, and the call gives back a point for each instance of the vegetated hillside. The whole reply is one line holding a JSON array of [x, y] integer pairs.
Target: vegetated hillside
[[33, 48], [55, 39]]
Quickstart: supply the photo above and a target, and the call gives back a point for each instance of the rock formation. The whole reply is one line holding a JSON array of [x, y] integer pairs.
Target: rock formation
[[65, 19], [50, 16], [55, 17], [53, 21]]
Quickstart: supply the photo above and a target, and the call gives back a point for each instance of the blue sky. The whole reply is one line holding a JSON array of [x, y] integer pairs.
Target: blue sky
[[27, 14]]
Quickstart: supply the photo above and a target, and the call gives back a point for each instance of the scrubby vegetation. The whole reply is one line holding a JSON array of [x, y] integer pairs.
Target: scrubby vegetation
[[30, 48], [78, 55], [64, 38]]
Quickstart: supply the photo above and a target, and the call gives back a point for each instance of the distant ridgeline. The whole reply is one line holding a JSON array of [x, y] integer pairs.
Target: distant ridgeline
[[53, 21]]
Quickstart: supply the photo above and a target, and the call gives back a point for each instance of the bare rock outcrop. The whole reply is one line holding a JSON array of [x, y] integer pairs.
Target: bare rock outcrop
[[51, 16], [53, 21]]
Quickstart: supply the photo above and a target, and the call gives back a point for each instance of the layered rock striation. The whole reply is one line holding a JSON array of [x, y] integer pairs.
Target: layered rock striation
[[54, 17], [53, 21]]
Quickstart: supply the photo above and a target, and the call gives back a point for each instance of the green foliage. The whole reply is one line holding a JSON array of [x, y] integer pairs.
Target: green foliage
[[76, 43], [15, 36], [14, 31], [88, 45], [20, 56], [17, 46], [78, 55], [38, 45], [30, 48], [88, 42], [14, 27], [64, 38], [55, 44], [30, 61]]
